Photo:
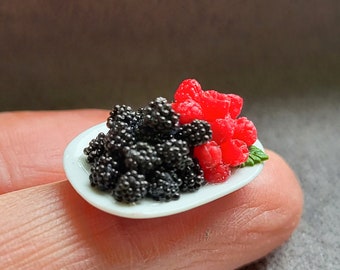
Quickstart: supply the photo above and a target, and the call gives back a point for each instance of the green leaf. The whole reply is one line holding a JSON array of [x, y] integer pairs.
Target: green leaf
[[256, 156]]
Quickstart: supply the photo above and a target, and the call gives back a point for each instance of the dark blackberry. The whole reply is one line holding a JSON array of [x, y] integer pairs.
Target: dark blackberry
[[174, 176], [119, 136], [141, 157], [147, 134], [163, 187], [121, 113], [147, 144], [131, 187], [191, 176], [195, 133], [159, 116], [104, 173], [95, 148], [173, 153]]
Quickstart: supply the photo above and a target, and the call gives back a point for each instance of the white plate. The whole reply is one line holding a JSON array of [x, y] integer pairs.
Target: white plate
[[77, 171]]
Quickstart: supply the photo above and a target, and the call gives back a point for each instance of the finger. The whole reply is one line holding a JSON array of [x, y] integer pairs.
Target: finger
[[32, 145], [57, 228]]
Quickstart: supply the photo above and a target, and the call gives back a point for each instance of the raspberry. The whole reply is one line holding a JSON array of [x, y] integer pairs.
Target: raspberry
[[234, 152], [214, 105], [195, 133], [245, 130], [236, 103], [218, 174], [188, 111], [222, 129], [209, 155], [188, 89]]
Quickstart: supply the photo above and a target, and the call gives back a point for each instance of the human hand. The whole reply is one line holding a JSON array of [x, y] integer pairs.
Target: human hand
[[46, 224]]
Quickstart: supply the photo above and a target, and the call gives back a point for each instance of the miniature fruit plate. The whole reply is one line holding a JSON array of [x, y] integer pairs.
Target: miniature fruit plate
[[77, 170]]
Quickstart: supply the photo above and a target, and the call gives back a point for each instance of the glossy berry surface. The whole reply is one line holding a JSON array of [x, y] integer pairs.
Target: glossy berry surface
[[218, 174], [166, 148], [141, 157], [214, 105], [163, 187], [104, 173], [188, 110], [131, 187], [234, 152], [160, 116], [95, 148], [231, 136], [222, 129], [121, 113], [195, 133], [188, 89], [147, 153], [245, 130], [192, 176]]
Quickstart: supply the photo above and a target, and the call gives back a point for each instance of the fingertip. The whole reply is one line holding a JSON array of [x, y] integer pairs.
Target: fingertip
[[282, 187], [251, 222], [273, 205]]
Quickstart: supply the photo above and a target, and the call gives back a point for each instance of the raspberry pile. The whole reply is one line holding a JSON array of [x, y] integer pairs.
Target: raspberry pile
[[231, 135], [147, 153], [164, 149]]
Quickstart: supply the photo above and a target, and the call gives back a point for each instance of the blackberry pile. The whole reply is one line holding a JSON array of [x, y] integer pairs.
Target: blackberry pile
[[147, 154]]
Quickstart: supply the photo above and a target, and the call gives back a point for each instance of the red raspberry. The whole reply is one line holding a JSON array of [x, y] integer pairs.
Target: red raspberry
[[188, 111], [214, 104], [236, 104], [217, 175], [245, 130], [234, 152], [209, 155], [188, 89], [222, 129]]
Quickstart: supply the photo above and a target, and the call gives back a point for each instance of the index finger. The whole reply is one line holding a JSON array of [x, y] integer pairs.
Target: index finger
[[32, 144]]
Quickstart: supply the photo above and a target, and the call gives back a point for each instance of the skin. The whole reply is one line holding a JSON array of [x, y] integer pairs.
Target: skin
[[46, 224]]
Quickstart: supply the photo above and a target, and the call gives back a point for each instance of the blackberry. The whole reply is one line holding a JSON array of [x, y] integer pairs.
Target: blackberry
[[131, 187], [195, 133], [175, 176], [119, 136], [95, 148], [147, 134], [191, 176], [104, 173], [141, 157], [121, 113], [163, 187], [173, 152], [159, 116], [148, 144]]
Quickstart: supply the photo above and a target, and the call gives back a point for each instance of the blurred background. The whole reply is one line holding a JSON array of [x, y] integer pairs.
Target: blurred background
[[283, 57], [70, 54]]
